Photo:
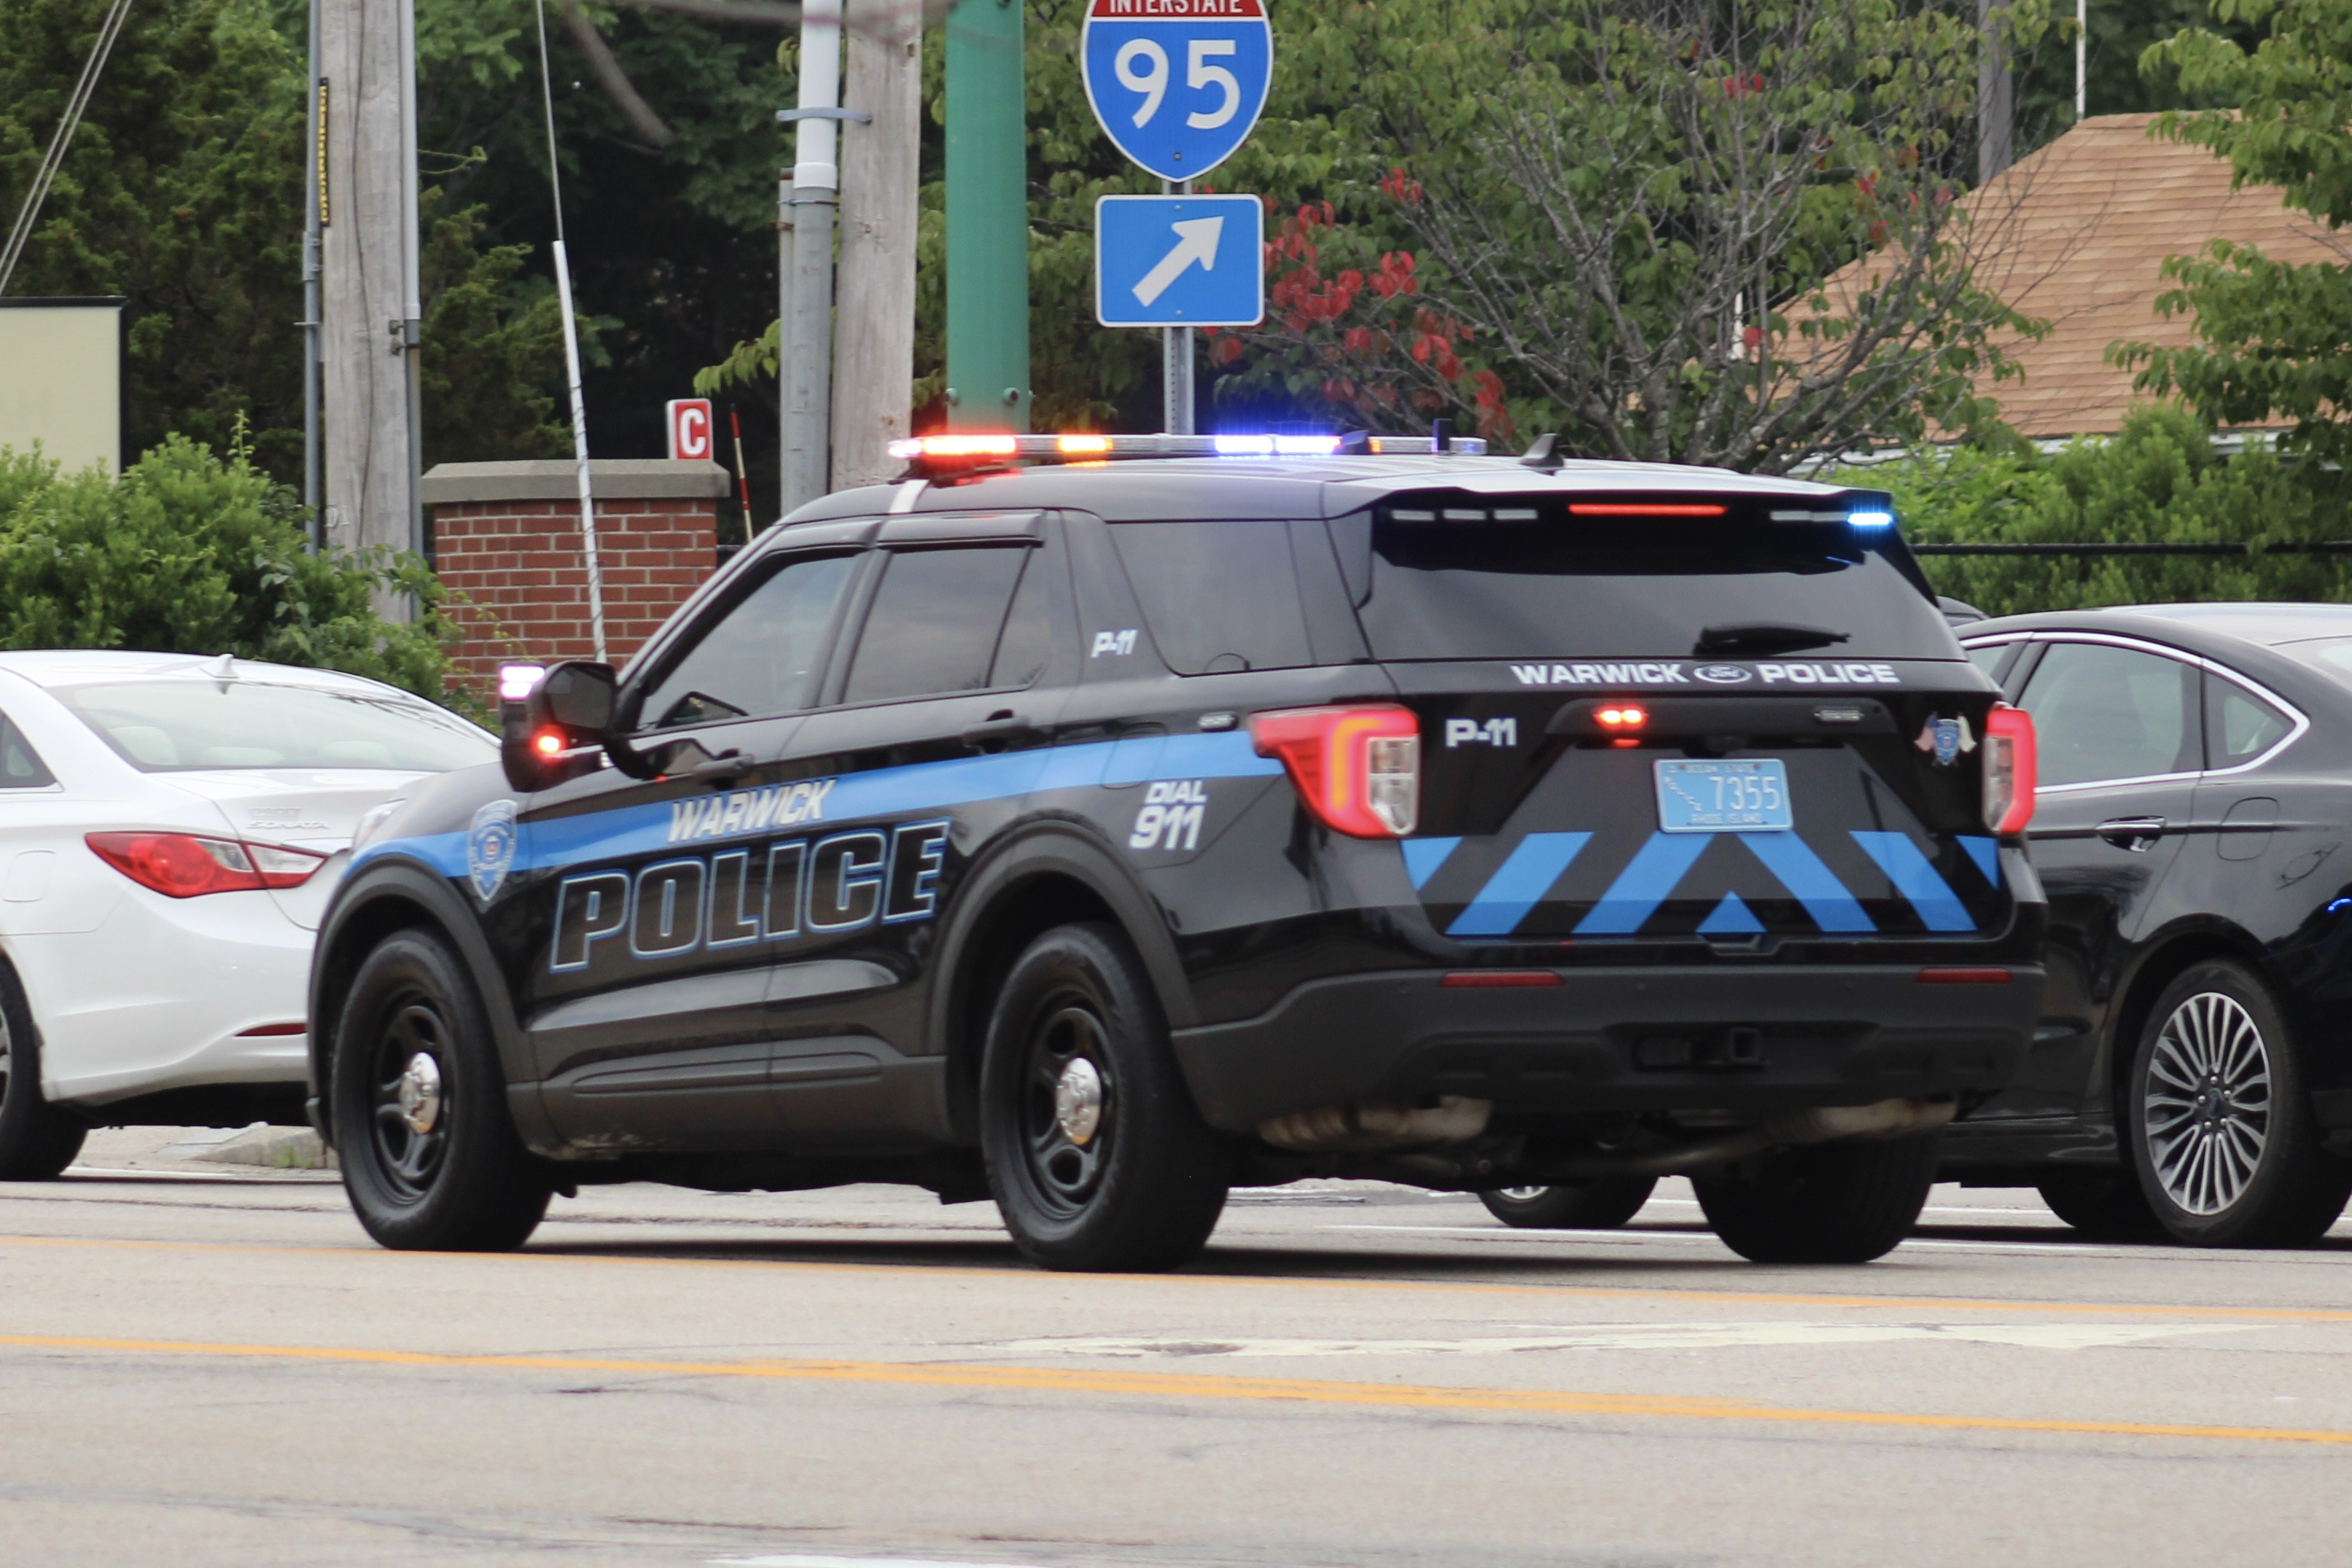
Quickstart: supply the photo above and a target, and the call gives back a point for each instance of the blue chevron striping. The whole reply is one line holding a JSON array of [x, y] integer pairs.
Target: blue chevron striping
[[1643, 884], [1916, 880], [1800, 871], [1732, 917], [1986, 853], [1519, 884], [1423, 856]]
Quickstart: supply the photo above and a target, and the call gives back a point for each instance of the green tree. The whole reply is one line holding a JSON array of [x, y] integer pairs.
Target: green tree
[[182, 192], [2159, 481], [2275, 336], [185, 552]]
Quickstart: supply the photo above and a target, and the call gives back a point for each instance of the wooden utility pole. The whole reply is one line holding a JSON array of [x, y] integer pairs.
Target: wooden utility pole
[[874, 341], [369, 334]]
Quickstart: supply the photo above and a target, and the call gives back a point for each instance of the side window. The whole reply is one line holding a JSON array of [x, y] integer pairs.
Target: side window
[[1028, 644], [1994, 659], [2239, 725], [1218, 596], [2102, 711], [763, 655], [935, 623], [20, 765]]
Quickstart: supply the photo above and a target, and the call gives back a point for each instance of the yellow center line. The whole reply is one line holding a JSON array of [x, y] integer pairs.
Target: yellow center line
[[1194, 1386], [942, 1273]]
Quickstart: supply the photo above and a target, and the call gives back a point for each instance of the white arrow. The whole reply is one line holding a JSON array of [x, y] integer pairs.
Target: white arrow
[[1196, 240]]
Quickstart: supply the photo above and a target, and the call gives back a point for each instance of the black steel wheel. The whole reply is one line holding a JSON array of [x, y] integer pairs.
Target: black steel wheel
[[429, 1155], [1601, 1204], [1097, 1156], [1829, 1203], [2222, 1137], [38, 1140]]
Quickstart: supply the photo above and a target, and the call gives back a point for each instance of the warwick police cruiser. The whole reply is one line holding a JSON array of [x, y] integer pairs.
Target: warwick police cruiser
[[1095, 835]]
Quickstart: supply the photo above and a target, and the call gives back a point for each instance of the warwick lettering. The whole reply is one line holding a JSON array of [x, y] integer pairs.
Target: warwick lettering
[[748, 810]]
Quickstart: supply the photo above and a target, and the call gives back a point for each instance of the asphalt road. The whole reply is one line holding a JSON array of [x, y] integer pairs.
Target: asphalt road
[[201, 1368]]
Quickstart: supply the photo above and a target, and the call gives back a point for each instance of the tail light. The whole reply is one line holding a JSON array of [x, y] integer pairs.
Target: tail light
[[183, 865], [1358, 768], [2009, 769]]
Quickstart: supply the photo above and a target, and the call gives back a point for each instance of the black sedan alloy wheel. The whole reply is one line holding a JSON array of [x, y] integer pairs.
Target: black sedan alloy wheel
[[2222, 1135]]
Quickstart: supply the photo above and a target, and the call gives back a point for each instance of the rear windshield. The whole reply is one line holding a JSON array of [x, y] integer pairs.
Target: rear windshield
[[161, 725], [1498, 580]]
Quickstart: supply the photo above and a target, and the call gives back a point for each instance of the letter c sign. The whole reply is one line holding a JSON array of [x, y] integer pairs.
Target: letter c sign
[[689, 428]]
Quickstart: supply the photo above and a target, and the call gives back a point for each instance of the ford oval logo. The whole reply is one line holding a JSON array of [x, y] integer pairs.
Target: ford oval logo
[[1724, 674]]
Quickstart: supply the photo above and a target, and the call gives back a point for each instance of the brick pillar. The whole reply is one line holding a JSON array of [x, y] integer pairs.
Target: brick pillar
[[507, 545]]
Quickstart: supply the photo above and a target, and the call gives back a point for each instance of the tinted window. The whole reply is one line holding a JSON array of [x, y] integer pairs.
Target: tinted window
[[1028, 644], [2239, 725], [1501, 581], [158, 726], [1217, 596], [763, 655], [1993, 658], [935, 623], [20, 766], [2112, 713]]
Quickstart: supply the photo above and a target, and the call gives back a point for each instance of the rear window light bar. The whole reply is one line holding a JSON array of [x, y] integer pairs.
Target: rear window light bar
[[974, 448]]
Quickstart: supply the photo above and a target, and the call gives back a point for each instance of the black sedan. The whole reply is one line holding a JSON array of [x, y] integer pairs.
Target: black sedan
[[2193, 1072]]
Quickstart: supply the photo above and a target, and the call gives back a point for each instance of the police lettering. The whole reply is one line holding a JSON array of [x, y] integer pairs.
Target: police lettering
[[821, 887]]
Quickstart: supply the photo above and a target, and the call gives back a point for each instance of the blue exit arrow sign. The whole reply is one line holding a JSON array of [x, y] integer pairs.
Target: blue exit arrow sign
[[1179, 261]]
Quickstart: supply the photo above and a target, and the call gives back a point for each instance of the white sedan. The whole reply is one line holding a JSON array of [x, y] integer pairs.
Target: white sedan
[[170, 829]]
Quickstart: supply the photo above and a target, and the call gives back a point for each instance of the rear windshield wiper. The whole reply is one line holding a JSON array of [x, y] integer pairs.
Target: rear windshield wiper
[[1763, 637]]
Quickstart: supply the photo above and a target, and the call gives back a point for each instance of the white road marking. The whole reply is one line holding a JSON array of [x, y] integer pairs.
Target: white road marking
[[1643, 1336]]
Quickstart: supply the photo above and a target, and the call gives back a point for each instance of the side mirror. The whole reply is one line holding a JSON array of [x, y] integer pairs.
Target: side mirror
[[546, 717]]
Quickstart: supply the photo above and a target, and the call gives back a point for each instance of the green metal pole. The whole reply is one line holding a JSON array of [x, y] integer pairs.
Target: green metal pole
[[988, 219]]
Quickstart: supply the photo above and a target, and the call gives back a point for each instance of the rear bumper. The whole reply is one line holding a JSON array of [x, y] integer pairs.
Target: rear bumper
[[1617, 1040]]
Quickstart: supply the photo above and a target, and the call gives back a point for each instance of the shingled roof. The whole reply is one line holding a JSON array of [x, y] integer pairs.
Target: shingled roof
[[2077, 233]]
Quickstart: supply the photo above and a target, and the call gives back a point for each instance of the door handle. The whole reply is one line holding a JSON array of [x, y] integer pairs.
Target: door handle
[[727, 768], [2133, 833], [999, 730]]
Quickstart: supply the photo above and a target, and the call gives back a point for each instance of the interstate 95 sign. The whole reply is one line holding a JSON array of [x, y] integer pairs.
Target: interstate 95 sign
[[1177, 84]]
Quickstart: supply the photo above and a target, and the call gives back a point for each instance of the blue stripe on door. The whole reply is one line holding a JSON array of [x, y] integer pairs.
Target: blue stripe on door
[[1916, 880], [1643, 884], [1519, 884], [1800, 871], [1423, 856]]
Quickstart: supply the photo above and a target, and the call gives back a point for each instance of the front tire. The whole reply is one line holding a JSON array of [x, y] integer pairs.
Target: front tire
[[1096, 1157], [429, 1154], [38, 1140], [1827, 1203], [1601, 1204], [2222, 1130]]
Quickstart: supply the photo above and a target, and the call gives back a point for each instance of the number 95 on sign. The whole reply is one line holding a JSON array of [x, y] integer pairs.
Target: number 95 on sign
[[1177, 84]]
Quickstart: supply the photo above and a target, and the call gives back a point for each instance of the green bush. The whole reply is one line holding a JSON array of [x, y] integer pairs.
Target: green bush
[[2157, 481], [188, 553]]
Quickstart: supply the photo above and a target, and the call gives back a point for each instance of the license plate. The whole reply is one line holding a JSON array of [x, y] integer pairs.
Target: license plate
[[1746, 795]]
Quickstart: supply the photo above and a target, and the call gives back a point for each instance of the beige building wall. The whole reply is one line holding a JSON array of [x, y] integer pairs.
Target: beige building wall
[[62, 380]]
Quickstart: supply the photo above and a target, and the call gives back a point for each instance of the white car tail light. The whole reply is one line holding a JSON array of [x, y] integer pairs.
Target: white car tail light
[[2009, 769], [1358, 768], [186, 865]]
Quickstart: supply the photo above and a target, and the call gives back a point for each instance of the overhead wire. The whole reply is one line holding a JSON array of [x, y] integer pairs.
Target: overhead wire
[[54, 159]]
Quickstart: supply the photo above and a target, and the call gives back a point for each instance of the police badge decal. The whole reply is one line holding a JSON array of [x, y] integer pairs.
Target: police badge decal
[[1946, 739], [490, 848]]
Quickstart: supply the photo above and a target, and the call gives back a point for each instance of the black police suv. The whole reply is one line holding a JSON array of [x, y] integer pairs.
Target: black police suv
[[2192, 1074], [1097, 836]]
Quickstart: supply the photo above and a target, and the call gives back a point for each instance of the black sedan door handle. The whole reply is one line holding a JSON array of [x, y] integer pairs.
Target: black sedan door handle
[[999, 730], [2133, 833]]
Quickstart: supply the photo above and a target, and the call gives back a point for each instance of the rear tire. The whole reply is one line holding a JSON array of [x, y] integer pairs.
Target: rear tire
[[38, 1140], [2104, 1205], [429, 1155], [2222, 1136], [1599, 1204], [1830, 1203], [1096, 1157]]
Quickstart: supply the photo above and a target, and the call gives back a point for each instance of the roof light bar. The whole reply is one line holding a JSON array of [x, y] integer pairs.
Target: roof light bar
[[976, 449]]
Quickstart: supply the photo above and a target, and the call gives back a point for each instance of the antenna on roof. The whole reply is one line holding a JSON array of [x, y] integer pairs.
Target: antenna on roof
[[1543, 452]]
